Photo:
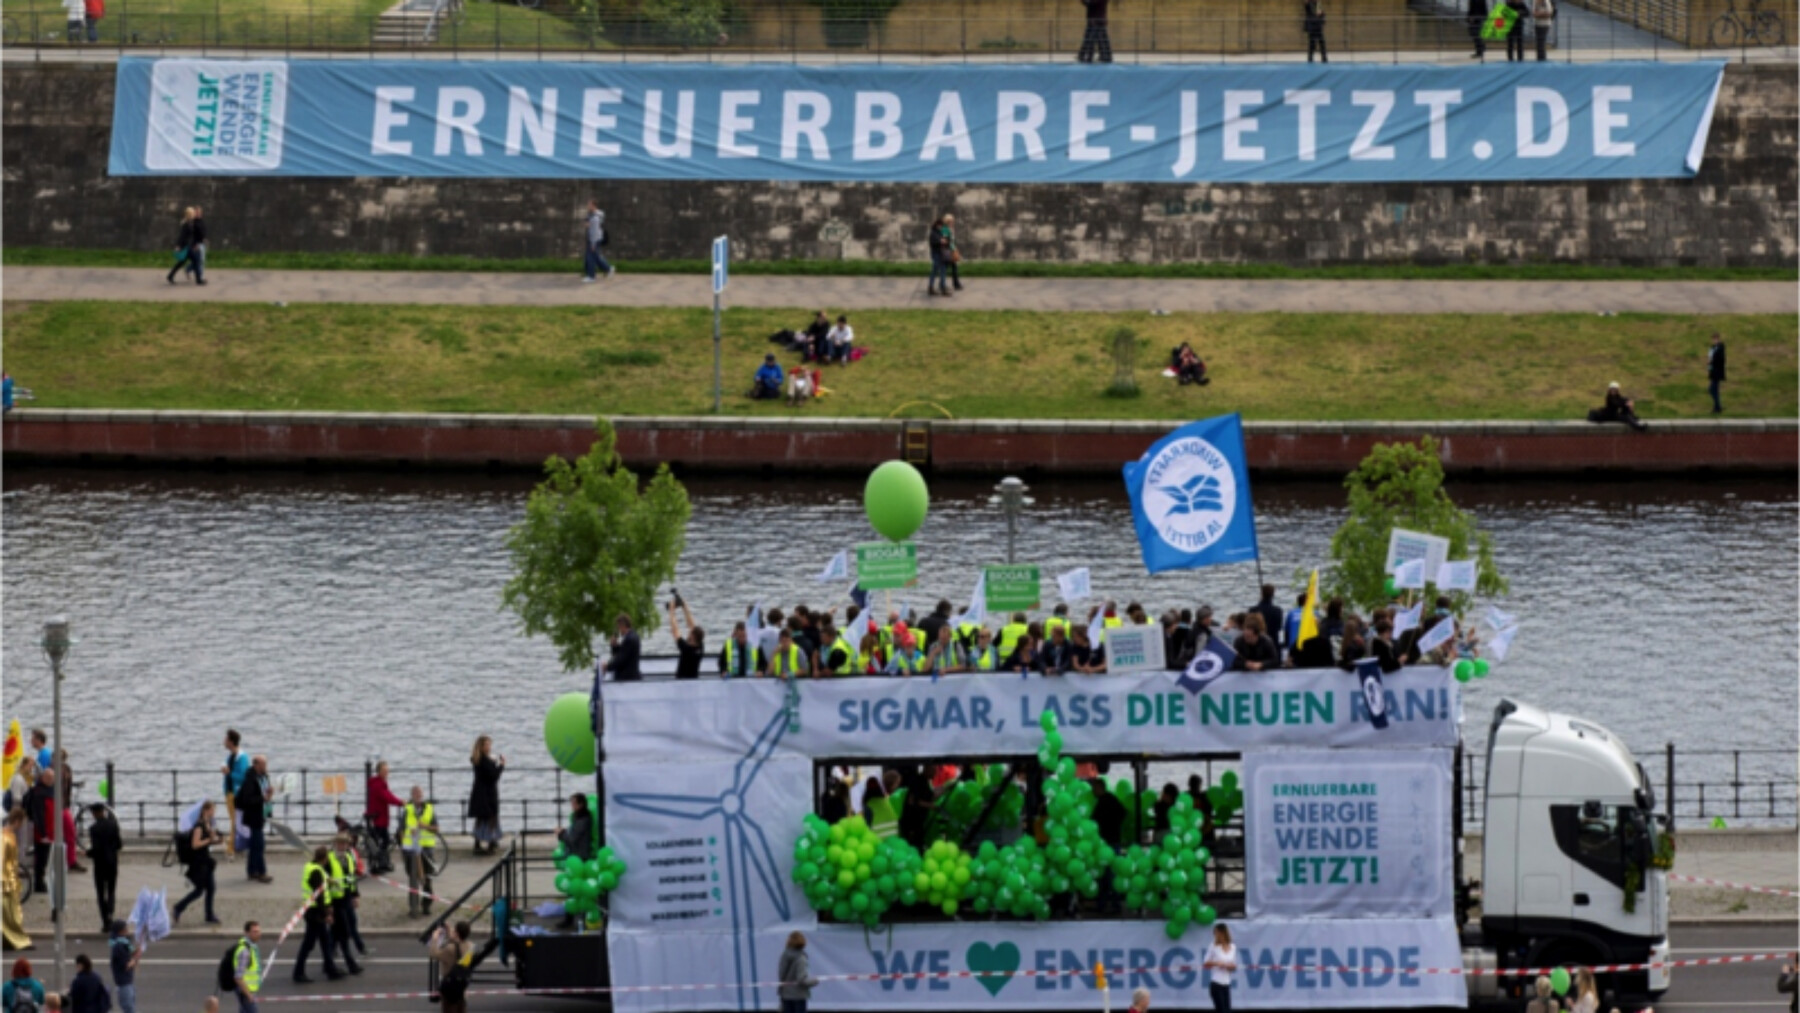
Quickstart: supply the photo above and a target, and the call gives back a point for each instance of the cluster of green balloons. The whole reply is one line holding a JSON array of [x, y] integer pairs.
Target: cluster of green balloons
[[848, 870], [583, 882], [1467, 669], [1226, 798], [855, 874], [960, 807]]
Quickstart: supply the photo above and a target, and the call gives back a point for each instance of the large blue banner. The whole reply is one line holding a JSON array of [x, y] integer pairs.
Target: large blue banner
[[1190, 497], [1288, 123]]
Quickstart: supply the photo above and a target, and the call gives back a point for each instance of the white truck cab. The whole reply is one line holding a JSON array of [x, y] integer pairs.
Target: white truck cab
[[1569, 836]]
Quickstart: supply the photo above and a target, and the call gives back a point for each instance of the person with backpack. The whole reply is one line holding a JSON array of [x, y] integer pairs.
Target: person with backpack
[[594, 261], [22, 993], [193, 846], [454, 958], [123, 955], [240, 972], [87, 993]]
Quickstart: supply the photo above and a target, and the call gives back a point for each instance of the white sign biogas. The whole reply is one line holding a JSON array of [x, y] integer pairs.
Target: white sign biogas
[[1366, 837], [210, 116]]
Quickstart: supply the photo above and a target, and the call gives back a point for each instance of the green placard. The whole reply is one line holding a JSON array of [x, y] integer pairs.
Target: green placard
[[1010, 588], [882, 566]]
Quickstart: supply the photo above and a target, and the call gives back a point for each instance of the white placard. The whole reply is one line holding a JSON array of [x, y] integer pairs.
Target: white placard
[[216, 115], [1076, 585], [1134, 649], [1335, 838], [1136, 954], [1405, 545], [1456, 575], [1410, 574]]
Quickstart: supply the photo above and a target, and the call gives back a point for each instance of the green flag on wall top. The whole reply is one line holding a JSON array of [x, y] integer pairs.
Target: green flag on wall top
[[1499, 22]]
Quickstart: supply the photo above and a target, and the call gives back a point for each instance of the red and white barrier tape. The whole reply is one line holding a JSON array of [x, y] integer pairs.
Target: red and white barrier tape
[[1512, 972], [1734, 886], [404, 888]]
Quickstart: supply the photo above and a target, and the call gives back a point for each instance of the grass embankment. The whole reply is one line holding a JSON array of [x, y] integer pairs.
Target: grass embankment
[[977, 365], [297, 23], [49, 257]]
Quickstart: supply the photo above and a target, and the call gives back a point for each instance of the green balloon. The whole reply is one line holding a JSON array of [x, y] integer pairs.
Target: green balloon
[[1465, 670], [1390, 587], [896, 500], [569, 734], [1559, 980], [1482, 668]]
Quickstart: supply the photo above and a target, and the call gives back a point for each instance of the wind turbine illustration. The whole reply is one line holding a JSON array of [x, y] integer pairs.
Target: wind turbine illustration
[[748, 857]]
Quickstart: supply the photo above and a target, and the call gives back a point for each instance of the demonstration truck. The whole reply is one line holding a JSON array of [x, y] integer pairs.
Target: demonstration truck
[[1341, 874]]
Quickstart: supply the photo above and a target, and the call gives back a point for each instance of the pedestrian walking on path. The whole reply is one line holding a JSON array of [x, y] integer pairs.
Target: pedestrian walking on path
[[944, 257], [416, 834], [252, 803], [450, 948], [315, 888], [234, 770], [104, 844], [190, 247], [243, 978], [1715, 370], [795, 975], [341, 865], [197, 830], [484, 797], [1096, 43], [594, 261], [123, 956]]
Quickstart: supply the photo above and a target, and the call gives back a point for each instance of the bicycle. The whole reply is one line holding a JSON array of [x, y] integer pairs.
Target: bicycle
[[1756, 27], [373, 847]]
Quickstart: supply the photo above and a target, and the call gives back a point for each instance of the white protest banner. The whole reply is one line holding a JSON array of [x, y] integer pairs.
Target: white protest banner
[[1408, 619], [981, 715], [1075, 586], [981, 965], [1339, 837], [1438, 635], [1456, 575], [1498, 620], [1502, 642], [977, 612], [1410, 574], [1404, 545], [837, 569], [1135, 649]]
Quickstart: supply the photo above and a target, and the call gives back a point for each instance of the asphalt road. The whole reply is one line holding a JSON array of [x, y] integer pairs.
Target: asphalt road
[[177, 975]]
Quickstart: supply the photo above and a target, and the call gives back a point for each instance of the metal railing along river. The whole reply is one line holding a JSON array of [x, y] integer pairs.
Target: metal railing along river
[[1149, 31], [1752, 787]]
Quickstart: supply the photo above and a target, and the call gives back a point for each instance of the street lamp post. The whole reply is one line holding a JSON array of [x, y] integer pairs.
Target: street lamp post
[[1011, 498], [56, 647]]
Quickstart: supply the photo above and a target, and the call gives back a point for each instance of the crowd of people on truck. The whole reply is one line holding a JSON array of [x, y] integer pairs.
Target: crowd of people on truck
[[1263, 637]]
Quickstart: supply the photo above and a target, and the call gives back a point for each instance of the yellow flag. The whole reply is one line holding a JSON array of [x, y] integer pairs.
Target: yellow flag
[[15, 751], [1309, 621]]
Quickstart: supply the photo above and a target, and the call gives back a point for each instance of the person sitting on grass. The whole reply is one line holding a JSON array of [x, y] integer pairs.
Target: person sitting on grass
[[768, 380], [1188, 366], [839, 339], [1618, 408], [799, 386], [815, 342]]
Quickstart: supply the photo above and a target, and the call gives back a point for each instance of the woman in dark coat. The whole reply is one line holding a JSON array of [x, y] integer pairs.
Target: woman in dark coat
[[484, 798]]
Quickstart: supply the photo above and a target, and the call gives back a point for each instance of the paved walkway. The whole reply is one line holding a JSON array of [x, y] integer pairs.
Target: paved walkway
[[834, 294]]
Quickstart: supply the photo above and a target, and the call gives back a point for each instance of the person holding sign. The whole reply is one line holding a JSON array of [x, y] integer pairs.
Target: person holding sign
[[1221, 960]]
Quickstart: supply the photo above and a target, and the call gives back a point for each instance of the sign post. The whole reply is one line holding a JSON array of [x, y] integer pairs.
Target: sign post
[[721, 274]]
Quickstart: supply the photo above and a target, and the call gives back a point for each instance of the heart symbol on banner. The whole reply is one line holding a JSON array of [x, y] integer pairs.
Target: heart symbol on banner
[[999, 961]]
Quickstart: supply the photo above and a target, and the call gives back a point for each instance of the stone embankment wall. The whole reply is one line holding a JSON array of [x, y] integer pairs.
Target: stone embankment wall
[[1740, 211]]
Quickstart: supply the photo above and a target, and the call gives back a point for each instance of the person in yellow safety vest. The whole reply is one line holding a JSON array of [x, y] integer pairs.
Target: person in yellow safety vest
[[787, 660], [1059, 620], [870, 659], [246, 968], [985, 657], [1010, 634], [343, 906], [883, 819], [945, 656], [889, 632], [965, 635], [737, 658], [1024, 656], [420, 833], [907, 659], [315, 887], [1109, 618], [841, 657]]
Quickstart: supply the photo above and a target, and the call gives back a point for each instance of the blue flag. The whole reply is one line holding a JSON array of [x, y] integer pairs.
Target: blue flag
[[1374, 694], [1190, 498], [1212, 660]]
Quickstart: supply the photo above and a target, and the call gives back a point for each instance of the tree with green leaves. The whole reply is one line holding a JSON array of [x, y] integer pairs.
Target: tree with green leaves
[[592, 547], [1401, 485]]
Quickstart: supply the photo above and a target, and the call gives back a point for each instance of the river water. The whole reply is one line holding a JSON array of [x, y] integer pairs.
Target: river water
[[338, 617]]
